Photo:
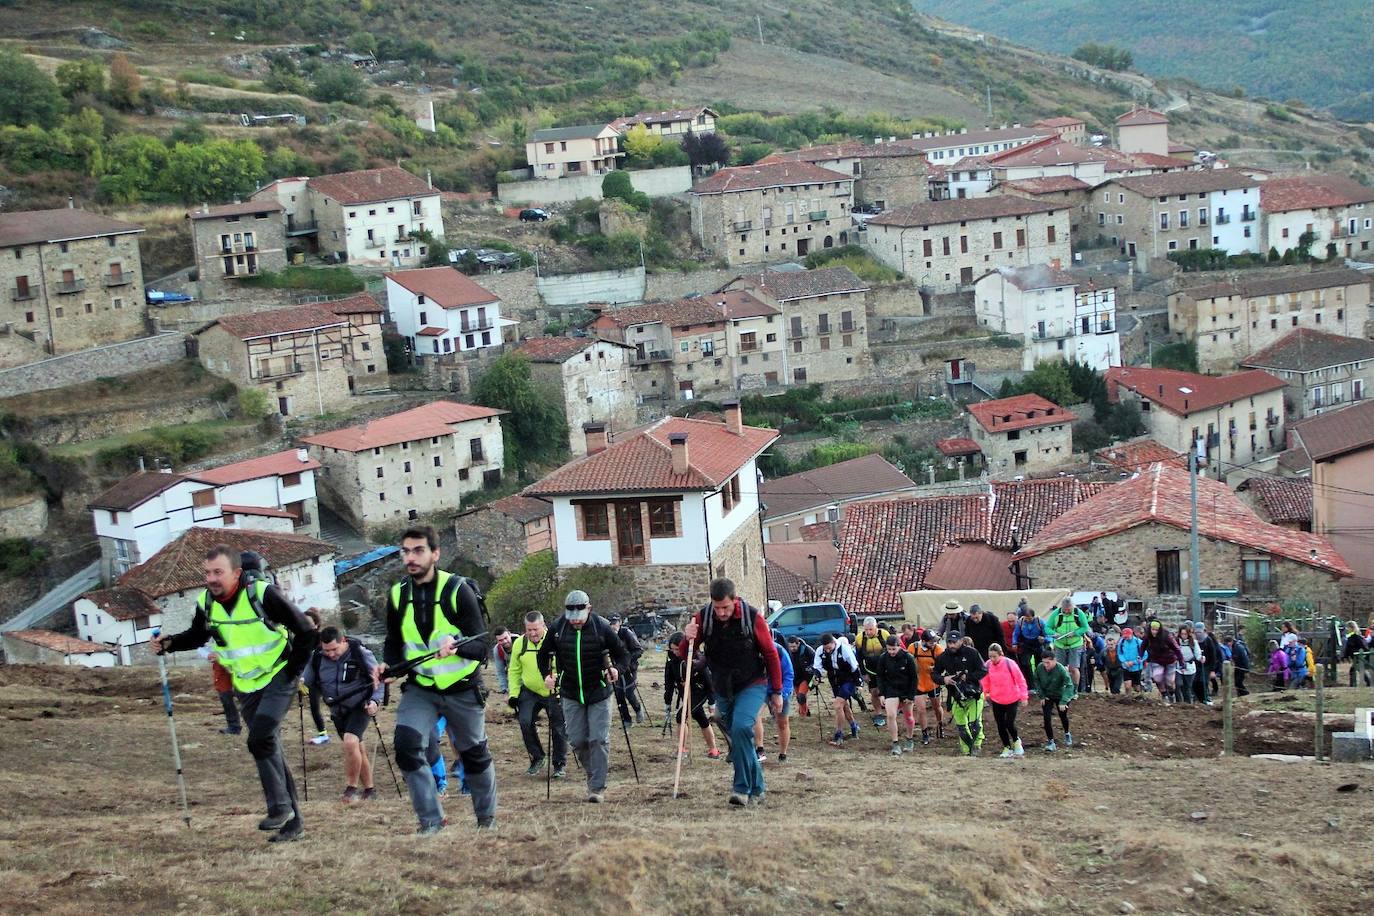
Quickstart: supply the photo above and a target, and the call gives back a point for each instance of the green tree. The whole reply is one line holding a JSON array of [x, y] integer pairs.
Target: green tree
[[641, 146], [1123, 420], [253, 404], [362, 43], [1089, 436], [337, 83], [134, 164], [538, 585], [753, 152], [216, 170], [535, 428], [1050, 380], [616, 186], [81, 77], [27, 94], [1181, 356]]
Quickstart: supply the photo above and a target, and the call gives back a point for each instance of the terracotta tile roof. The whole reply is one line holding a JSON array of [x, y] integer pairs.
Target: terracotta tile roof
[[1255, 287], [659, 117], [425, 422], [361, 304], [738, 304], [970, 567], [869, 475], [1186, 393], [432, 332], [1156, 161], [277, 464], [789, 568], [1312, 192], [1282, 499], [1307, 349], [959, 445], [1047, 152], [677, 313], [553, 349], [1295, 460], [1187, 182], [29, 227], [135, 490], [786, 285], [444, 286], [1036, 276], [123, 603], [371, 186], [1160, 495], [58, 642], [245, 208], [522, 508], [1050, 185], [1142, 116], [957, 210], [974, 138], [178, 567], [851, 149], [1025, 411], [263, 511], [1336, 432], [1062, 121], [771, 175], [251, 325], [1139, 453], [644, 463]]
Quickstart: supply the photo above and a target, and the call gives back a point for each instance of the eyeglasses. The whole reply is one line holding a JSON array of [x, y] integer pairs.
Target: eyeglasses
[[575, 607]]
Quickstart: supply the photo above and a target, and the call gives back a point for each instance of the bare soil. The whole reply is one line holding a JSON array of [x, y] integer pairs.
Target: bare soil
[[1141, 811]]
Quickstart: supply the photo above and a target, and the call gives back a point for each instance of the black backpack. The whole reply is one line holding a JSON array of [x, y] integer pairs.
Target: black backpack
[[356, 663]]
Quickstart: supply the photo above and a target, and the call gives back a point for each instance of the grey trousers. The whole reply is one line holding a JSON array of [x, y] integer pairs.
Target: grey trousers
[[263, 711], [418, 713], [589, 733]]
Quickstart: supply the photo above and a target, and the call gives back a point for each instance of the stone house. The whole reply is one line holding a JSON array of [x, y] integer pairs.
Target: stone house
[[293, 194], [1071, 130], [793, 502], [673, 506], [405, 466], [72, 279], [754, 332], [680, 348], [885, 174], [824, 314], [1022, 435], [775, 212], [1149, 216], [1236, 419], [572, 152], [1056, 318], [441, 311], [233, 241], [367, 369], [46, 647], [1339, 447], [675, 123], [1062, 191], [944, 244], [1324, 371], [501, 534], [298, 357], [1143, 130], [592, 376], [372, 216], [1282, 501], [1132, 538], [1231, 320], [1336, 210]]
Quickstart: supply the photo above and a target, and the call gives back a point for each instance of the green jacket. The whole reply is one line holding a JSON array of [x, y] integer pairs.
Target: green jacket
[[1067, 632], [1055, 686]]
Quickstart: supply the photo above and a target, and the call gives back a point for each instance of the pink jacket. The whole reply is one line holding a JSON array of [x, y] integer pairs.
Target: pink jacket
[[1004, 682]]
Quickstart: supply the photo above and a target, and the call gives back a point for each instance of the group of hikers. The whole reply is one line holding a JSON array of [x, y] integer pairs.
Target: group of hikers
[[725, 669]]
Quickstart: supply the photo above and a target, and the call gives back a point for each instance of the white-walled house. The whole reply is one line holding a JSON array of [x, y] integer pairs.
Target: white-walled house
[[280, 482], [373, 216], [1057, 319], [439, 310], [673, 506], [47, 647]]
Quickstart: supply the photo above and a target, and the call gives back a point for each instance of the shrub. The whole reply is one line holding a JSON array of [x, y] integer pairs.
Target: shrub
[[20, 556]]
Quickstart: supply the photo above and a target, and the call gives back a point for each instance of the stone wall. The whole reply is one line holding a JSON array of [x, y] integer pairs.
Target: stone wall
[[18, 350], [654, 182], [610, 286], [490, 539], [741, 558], [99, 422], [895, 300], [106, 361], [25, 517]]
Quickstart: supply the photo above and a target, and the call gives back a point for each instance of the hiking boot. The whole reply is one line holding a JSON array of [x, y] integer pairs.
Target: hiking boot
[[713, 754], [320, 738], [430, 829], [291, 830], [1068, 739], [230, 731], [596, 798], [1017, 749], [560, 772], [760, 754], [782, 758], [1006, 754], [896, 749], [1051, 746], [940, 730], [486, 823], [977, 751], [535, 767], [853, 729], [739, 799], [909, 746], [879, 721], [369, 794], [276, 821], [627, 722], [442, 792], [350, 795], [837, 739], [925, 737], [639, 717], [756, 799]]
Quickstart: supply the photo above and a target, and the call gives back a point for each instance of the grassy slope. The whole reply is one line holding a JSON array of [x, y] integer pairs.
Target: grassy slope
[[1273, 48]]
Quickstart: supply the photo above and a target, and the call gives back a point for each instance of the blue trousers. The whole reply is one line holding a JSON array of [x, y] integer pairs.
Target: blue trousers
[[736, 715]]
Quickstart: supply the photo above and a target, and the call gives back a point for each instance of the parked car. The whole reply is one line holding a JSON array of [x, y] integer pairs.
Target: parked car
[[488, 258], [811, 621], [533, 215], [157, 296]]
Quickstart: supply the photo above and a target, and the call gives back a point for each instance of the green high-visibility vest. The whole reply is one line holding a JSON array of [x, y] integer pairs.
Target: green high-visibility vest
[[250, 648], [436, 673]]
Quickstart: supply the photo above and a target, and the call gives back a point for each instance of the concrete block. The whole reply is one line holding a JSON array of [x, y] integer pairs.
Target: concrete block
[[1348, 747], [1364, 723]]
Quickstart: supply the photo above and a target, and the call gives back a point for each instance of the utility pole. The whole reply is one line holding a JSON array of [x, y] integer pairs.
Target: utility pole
[[758, 21], [1194, 586]]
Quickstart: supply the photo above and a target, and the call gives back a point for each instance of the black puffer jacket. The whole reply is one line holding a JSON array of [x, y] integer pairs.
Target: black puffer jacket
[[581, 658], [896, 675]]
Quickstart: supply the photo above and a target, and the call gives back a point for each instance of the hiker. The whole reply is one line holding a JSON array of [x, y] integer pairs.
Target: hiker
[[1215, 655], [1055, 689], [1112, 671], [500, 657], [927, 689], [1028, 637], [960, 668], [1005, 688], [626, 696], [835, 659], [781, 719], [1299, 664], [1067, 626], [1093, 645], [313, 693], [1278, 665], [339, 668], [909, 636], [529, 696], [983, 628], [743, 668], [587, 657], [1240, 662], [1354, 644], [233, 723], [1288, 634], [953, 619], [802, 657], [264, 642], [674, 687], [1191, 667], [1162, 656], [869, 644], [434, 611], [1008, 630], [1130, 650], [897, 678]]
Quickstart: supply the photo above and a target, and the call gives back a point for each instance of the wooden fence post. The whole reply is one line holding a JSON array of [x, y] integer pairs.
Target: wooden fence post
[[1317, 676], [1228, 735]]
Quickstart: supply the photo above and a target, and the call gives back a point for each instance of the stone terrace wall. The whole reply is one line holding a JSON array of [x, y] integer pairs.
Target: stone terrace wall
[[88, 365]]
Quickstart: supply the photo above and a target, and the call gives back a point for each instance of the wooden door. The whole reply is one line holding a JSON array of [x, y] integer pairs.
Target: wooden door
[[629, 532]]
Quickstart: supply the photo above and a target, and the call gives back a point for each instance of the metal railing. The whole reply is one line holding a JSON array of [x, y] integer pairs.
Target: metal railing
[[1222, 219], [818, 214], [119, 279], [742, 225], [795, 332], [374, 243], [22, 295], [1249, 216], [64, 287]]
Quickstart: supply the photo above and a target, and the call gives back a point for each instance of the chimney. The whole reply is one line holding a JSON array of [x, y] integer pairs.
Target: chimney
[[595, 434], [71, 203], [429, 178], [302, 455], [678, 443], [832, 514], [733, 423]]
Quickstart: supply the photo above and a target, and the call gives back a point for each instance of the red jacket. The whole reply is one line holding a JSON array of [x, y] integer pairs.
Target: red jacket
[[1004, 682], [1007, 627]]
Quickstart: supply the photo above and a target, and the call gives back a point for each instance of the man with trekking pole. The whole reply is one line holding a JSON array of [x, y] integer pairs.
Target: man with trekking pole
[[341, 669], [264, 641], [529, 696]]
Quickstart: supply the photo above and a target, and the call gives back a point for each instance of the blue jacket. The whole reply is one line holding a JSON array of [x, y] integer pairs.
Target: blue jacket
[[1029, 631], [788, 675], [1130, 653]]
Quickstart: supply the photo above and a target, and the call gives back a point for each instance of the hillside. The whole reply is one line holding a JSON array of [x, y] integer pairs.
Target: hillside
[[1272, 48]]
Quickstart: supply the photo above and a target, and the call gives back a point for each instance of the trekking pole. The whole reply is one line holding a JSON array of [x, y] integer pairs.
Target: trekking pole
[[626, 729], [305, 777], [172, 727], [682, 715], [642, 705], [381, 742], [548, 758]]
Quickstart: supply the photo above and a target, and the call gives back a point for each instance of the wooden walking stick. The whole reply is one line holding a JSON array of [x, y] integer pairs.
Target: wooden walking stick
[[682, 718]]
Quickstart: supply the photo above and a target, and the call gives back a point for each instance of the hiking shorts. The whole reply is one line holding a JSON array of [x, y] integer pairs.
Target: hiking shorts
[[1133, 676], [1071, 657], [786, 707], [352, 722], [846, 690]]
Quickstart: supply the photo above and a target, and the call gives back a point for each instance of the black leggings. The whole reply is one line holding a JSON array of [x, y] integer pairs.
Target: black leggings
[[315, 712], [1005, 715], [1047, 707]]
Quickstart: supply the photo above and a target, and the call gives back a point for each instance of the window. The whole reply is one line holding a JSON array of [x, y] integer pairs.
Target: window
[[663, 518], [475, 446], [1049, 233], [462, 473], [1257, 576], [202, 498], [1167, 579], [996, 240], [799, 374], [380, 473], [1021, 238], [406, 467], [1164, 220], [595, 525], [291, 480], [438, 461], [438, 483]]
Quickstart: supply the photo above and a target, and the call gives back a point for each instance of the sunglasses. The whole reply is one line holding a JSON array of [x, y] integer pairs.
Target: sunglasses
[[575, 607]]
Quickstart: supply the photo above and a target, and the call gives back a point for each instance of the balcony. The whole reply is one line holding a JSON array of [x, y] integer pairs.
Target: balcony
[[1051, 333], [67, 287], [819, 214], [749, 347], [823, 329], [284, 372], [243, 272], [652, 356], [294, 228], [847, 327], [742, 225], [374, 243], [22, 295], [1223, 219], [486, 325], [1271, 422], [1248, 216], [1106, 327], [796, 331], [238, 248], [119, 279]]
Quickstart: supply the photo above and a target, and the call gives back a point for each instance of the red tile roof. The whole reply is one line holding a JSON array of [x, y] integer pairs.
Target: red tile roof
[[1336, 432], [1282, 499], [770, 175], [965, 567], [1186, 393], [425, 422], [58, 642], [178, 567], [29, 227], [678, 313], [1187, 182], [959, 445], [1048, 185], [1140, 453], [659, 117], [973, 138], [1061, 121], [521, 508], [246, 208], [294, 320], [371, 185], [1312, 192], [957, 210], [277, 464], [1142, 116], [1306, 349], [256, 510], [361, 304], [444, 286], [1036, 276], [786, 285], [1253, 287], [553, 349], [789, 568], [738, 304], [1160, 495], [857, 478], [1156, 161], [123, 603], [644, 463], [1025, 411], [850, 149], [432, 332], [135, 490], [1047, 152]]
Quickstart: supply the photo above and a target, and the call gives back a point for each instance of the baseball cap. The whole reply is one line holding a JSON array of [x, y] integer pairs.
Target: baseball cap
[[577, 605], [929, 634], [953, 636], [614, 618]]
